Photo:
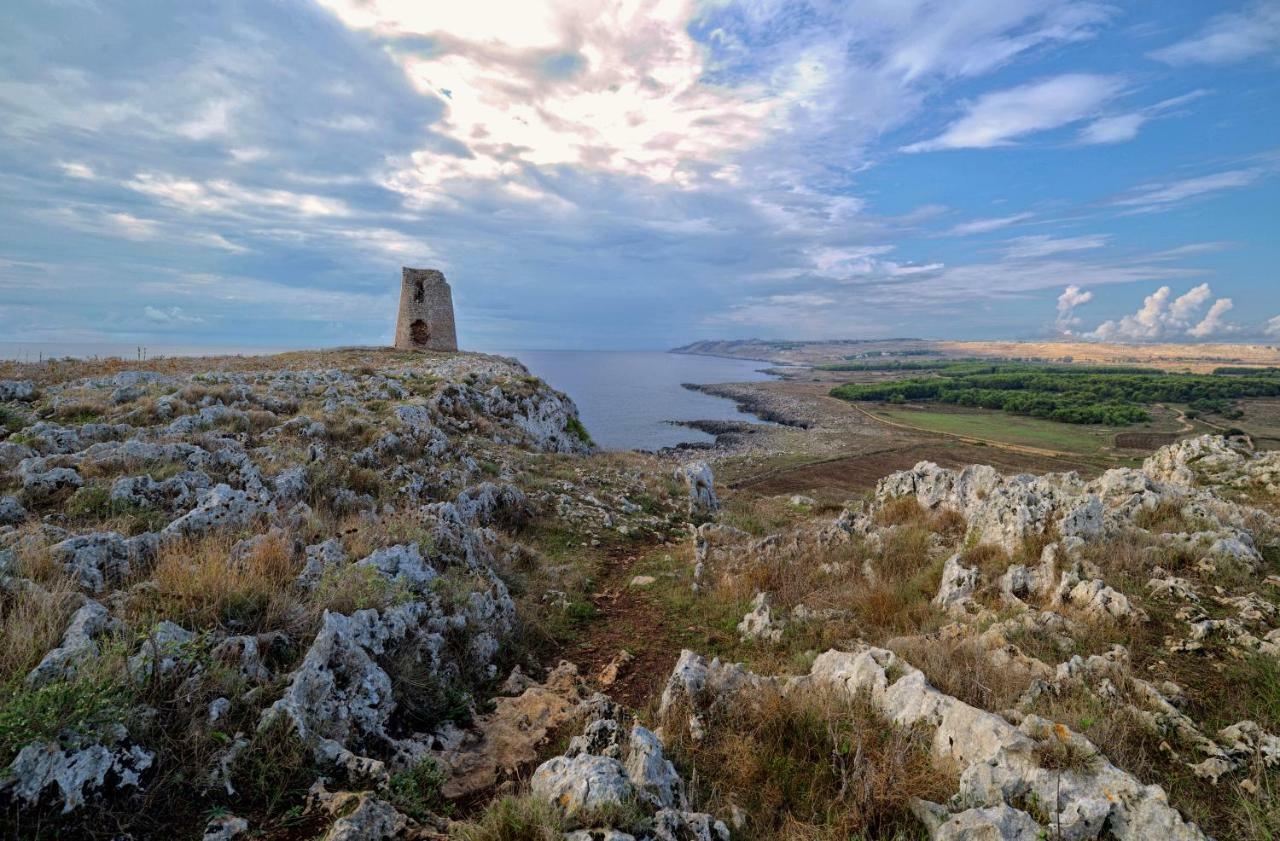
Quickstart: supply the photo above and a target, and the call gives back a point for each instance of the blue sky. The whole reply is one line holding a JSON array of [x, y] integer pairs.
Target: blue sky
[[640, 175]]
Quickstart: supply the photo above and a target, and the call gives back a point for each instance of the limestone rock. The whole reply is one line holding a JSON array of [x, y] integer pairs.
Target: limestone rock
[[999, 761], [78, 645], [598, 835], [360, 816], [583, 783], [225, 828], [17, 390], [507, 739], [958, 583], [320, 559], [402, 564], [76, 773], [700, 481], [160, 650], [100, 559], [11, 511], [759, 623], [174, 492], [991, 823], [697, 687], [39, 486], [220, 507], [676, 825], [651, 773]]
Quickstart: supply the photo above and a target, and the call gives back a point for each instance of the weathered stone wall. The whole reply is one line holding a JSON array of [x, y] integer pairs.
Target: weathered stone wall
[[426, 312]]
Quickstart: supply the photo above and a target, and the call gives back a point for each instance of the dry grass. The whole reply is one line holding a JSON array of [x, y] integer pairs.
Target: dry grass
[[992, 560], [873, 594], [352, 360], [513, 819], [1224, 811], [964, 668], [198, 584], [32, 622], [809, 765]]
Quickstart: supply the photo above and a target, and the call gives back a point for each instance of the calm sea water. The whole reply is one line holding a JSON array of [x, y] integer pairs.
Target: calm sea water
[[629, 398]]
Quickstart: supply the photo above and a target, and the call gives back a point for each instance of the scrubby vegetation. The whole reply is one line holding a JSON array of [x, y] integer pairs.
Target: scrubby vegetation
[[808, 766], [1113, 396]]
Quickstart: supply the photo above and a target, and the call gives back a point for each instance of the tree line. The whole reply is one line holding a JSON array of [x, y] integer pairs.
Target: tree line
[[1115, 396]]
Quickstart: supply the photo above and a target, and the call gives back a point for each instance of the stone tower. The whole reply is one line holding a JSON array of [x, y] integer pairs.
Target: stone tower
[[426, 312]]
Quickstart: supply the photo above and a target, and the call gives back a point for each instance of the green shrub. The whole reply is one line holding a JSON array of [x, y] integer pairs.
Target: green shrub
[[74, 711], [275, 770], [418, 792], [579, 431]]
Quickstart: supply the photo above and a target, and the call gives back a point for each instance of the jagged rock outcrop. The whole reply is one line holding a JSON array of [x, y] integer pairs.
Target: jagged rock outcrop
[[586, 785], [70, 775], [999, 762], [700, 482]]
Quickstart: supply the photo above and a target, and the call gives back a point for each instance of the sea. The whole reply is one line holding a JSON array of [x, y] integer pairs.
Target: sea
[[631, 400], [628, 400]]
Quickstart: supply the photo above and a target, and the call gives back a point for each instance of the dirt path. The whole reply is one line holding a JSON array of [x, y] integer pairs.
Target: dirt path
[[630, 620], [1184, 424]]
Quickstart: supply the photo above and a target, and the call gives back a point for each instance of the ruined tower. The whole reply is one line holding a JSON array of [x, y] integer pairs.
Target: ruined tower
[[426, 312]]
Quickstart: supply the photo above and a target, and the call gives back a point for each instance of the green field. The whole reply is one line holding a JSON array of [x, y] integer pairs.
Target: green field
[[1261, 420], [998, 426]]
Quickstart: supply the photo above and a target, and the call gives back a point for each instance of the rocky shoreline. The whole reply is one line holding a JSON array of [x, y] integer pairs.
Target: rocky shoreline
[[337, 594]]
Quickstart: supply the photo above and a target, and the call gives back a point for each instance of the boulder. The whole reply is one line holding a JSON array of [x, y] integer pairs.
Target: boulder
[[759, 623], [11, 511], [652, 774], [582, 784], [47, 484], [100, 559], [220, 507], [700, 482], [78, 645], [75, 772], [955, 592]]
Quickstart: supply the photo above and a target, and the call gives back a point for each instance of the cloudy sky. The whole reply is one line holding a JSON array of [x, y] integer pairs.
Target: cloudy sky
[[640, 174]]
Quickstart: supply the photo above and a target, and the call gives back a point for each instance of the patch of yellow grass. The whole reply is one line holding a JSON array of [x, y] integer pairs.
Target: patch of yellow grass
[[198, 584]]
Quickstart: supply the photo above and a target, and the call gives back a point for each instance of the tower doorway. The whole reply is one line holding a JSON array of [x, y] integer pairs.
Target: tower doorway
[[419, 333]]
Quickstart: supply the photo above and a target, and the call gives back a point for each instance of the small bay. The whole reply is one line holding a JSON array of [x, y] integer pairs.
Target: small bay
[[629, 399]]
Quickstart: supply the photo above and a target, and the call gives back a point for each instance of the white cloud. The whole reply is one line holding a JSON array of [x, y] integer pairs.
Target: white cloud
[[171, 316], [1071, 298], [1163, 317], [1213, 320], [1115, 129], [212, 120], [220, 196], [1229, 37], [77, 170], [1029, 247], [1118, 128], [133, 227], [1000, 118], [97, 220], [1272, 327], [602, 87], [1161, 196], [985, 226]]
